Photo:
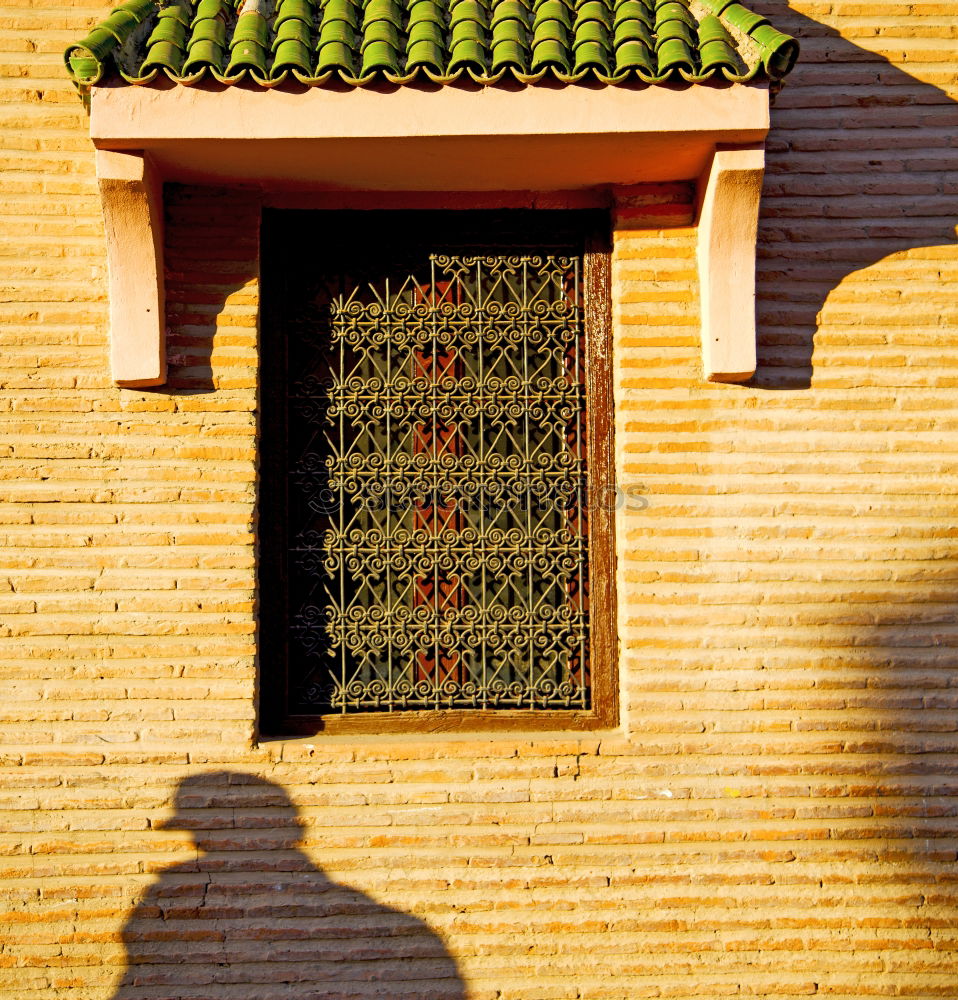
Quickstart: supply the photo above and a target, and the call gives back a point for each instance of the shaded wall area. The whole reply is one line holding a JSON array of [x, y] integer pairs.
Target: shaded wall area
[[860, 202]]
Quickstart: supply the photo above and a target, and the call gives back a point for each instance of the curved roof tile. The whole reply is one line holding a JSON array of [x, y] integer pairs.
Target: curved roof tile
[[358, 42]]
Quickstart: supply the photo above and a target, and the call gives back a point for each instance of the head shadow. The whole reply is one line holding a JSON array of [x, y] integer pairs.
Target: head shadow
[[251, 917], [857, 169]]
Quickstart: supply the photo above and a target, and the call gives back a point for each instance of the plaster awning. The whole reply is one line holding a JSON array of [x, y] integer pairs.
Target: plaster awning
[[430, 95]]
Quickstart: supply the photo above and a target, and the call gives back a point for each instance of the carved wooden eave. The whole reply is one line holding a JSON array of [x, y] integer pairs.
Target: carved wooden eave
[[447, 140]]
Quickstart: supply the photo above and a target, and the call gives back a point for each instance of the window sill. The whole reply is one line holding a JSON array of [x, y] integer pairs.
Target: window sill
[[278, 743], [445, 723]]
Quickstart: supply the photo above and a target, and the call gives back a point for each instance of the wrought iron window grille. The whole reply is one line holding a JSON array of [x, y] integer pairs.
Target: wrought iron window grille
[[436, 417]]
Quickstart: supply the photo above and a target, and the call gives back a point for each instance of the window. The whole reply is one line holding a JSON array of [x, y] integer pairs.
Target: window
[[435, 524]]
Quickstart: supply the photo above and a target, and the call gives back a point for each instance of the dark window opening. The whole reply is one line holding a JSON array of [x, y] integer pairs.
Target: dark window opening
[[435, 517]]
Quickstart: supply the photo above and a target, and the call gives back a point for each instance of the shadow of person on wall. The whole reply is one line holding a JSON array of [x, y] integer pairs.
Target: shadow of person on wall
[[860, 165], [252, 918]]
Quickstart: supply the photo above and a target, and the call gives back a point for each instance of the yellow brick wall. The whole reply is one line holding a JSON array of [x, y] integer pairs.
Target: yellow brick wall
[[777, 817]]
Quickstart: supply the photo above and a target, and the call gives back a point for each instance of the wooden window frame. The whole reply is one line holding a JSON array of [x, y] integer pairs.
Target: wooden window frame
[[272, 633]]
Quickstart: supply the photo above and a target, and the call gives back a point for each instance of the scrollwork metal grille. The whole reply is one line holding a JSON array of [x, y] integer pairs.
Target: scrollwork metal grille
[[438, 543]]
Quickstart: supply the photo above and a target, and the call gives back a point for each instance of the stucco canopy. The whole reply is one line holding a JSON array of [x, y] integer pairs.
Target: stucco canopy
[[438, 96]]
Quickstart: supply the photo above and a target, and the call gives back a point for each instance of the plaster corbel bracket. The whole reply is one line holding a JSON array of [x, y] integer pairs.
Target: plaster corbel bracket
[[131, 192], [730, 191]]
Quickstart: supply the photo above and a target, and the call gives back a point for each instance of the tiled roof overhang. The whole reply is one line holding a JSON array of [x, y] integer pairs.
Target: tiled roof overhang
[[360, 42], [570, 110]]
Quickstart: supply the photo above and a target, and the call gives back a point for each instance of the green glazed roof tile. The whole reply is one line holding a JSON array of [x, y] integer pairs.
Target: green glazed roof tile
[[551, 31], [465, 33], [203, 53], [467, 10], [509, 54], [209, 8], [210, 29], [335, 57], [710, 29], [673, 53], [633, 31], [164, 55], [382, 10], [290, 54], [299, 10], [379, 54], [716, 54], [593, 32], [250, 28], [342, 10], [357, 42], [635, 56], [743, 18], [552, 10], [510, 10], [593, 11], [293, 31], [426, 31], [337, 31], [424, 53], [674, 11], [550, 54], [629, 10], [381, 31], [672, 30]]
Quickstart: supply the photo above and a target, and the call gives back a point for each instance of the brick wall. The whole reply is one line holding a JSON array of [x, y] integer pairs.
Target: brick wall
[[777, 817]]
